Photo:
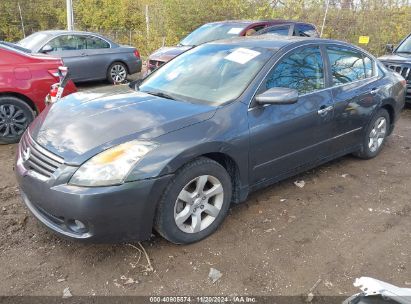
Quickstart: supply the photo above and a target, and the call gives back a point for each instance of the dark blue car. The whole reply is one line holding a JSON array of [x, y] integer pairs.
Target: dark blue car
[[203, 131]]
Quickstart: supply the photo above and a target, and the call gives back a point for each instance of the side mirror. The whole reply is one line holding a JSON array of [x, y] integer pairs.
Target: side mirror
[[278, 96], [47, 48], [389, 48]]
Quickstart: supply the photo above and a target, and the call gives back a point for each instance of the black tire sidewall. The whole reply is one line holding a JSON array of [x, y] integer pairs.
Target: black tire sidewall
[[366, 152], [111, 80], [165, 223], [22, 105]]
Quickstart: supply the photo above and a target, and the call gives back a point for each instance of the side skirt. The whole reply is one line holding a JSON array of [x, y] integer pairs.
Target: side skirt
[[245, 191]]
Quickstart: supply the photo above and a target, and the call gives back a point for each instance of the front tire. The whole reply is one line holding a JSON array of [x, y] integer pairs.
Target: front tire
[[15, 117], [375, 135], [195, 202], [117, 73]]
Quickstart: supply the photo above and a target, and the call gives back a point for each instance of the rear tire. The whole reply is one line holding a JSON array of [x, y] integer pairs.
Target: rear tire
[[195, 202], [375, 135], [117, 73], [15, 117]]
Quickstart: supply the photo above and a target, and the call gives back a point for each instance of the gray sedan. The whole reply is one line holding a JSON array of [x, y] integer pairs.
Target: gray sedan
[[88, 56]]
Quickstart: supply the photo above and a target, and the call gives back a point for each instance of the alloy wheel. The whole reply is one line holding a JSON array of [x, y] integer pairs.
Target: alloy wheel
[[377, 134], [198, 204], [118, 73], [13, 121]]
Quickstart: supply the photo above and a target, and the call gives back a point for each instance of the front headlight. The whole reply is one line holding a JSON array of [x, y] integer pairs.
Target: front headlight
[[111, 166]]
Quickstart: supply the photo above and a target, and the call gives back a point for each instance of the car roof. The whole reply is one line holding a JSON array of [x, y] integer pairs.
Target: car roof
[[274, 42], [58, 32], [249, 22]]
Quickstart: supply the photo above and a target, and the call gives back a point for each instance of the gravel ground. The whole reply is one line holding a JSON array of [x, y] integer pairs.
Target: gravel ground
[[351, 219]]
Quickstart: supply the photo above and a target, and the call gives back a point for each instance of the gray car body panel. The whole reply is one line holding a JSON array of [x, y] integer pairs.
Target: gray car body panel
[[265, 143], [91, 64]]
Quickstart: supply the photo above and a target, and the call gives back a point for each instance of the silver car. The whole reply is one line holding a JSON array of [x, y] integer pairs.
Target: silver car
[[88, 56]]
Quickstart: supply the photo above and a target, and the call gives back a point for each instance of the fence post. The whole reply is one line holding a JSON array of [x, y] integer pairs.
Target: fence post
[[21, 19], [147, 21]]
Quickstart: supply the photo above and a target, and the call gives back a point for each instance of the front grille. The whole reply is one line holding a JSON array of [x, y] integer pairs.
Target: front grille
[[38, 159], [404, 71]]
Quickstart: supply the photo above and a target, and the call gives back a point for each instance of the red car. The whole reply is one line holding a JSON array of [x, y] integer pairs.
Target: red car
[[25, 80], [229, 29]]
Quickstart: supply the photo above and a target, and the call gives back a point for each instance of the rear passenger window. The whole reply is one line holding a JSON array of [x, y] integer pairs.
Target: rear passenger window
[[280, 30], [346, 65], [301, 70], [96, 43]]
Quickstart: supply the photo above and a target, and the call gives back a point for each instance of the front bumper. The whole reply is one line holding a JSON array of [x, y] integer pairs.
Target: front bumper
[[99, 214]]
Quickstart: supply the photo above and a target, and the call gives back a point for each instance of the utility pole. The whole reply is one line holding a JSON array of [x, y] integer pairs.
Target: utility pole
[[325, 17], [21, 19], [70, 17]]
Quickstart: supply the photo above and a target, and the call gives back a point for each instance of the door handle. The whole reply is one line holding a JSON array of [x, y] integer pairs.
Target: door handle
[[324, 110]]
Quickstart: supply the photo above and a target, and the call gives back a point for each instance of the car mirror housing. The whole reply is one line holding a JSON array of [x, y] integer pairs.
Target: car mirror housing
[[389, 48], [47, 48], [278, 96]]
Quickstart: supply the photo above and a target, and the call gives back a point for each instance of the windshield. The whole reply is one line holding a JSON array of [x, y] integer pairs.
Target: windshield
[[405, 47], [213, 31], [212, 74], [30, 42]]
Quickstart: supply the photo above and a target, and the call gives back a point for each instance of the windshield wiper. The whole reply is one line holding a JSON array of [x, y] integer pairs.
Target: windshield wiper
[[404, 52], [160, 94]]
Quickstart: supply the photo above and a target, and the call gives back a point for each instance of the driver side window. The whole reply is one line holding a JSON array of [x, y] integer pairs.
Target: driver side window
[[67, 43], [302, 69]]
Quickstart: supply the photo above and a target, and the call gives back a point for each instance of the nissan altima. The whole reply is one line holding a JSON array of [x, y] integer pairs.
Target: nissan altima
[[226, 118]]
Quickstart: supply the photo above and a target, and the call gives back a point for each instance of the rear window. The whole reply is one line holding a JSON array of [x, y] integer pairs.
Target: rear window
[[30, 42], [14, 47], [307, 30], [213, 31]]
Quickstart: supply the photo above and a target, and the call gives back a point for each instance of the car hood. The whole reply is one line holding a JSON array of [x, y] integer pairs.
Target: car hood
[[396, 57], [165, 54], [85, 123]]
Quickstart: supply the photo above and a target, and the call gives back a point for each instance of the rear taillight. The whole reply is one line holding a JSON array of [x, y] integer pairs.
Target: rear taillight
[[54, 73], [137, 54], [53, 90]]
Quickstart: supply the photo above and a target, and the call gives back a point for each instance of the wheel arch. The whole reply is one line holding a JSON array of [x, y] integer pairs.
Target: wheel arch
[[388, 106], [221, 153], [23, 98]]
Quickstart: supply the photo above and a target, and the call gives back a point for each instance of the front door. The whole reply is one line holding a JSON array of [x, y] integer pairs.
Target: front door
[[72, 50], [285, 137]]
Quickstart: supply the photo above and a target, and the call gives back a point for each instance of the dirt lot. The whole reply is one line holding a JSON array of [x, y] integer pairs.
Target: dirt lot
[[351, 219]]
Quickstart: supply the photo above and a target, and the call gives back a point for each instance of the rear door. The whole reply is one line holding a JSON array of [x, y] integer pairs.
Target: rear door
[[355, 93], [99, 55], [285, 137]]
